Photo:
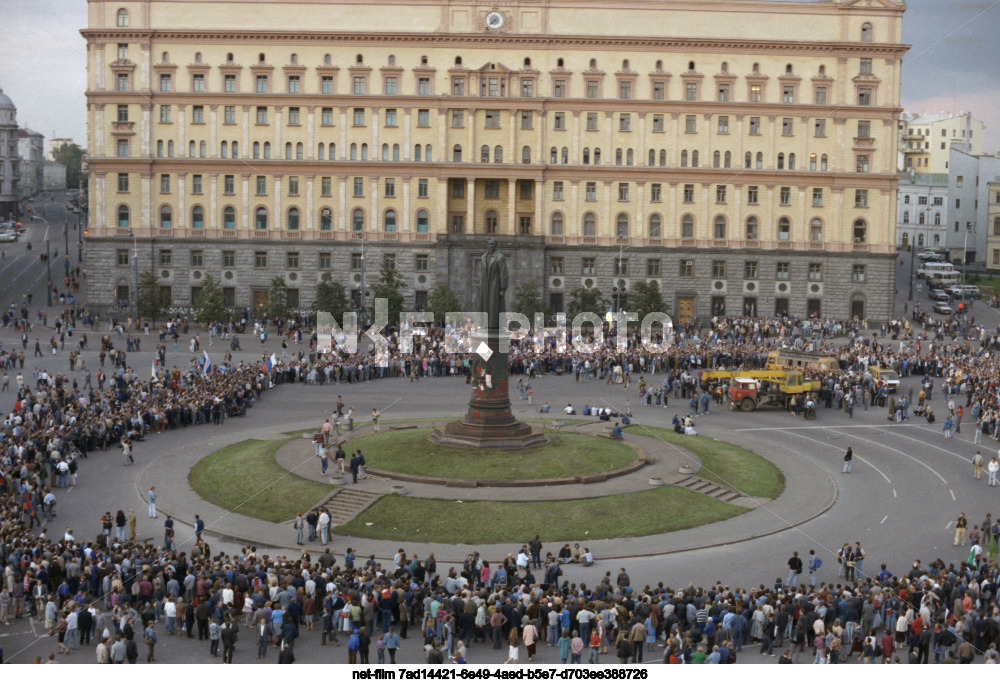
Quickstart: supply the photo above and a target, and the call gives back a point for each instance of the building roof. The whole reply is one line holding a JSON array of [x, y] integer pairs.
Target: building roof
[[932, 179], [6, 102], [922, 119], [28, 133], [53, 163]]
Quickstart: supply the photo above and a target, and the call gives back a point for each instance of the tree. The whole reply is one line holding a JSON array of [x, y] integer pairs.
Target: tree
[[70, 156], [210, 306], [277, 299], [585, 300], [645, 298], [528, 300], [390, 287], [331, 297], [152, 303], [441, 300]]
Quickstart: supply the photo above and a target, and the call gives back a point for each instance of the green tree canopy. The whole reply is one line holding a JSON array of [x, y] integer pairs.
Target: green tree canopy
[[277, 299], [70, 156], [441, 300], [331, 297], [152, 303], [585, 300], [210, 306], [528, 300], [390, 287], [645, 298]]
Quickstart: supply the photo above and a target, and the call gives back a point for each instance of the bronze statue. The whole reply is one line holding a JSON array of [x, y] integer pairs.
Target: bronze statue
[[493, 280]]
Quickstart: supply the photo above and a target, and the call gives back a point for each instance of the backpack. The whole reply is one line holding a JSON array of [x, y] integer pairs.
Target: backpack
[[131, 650], [819, 563]]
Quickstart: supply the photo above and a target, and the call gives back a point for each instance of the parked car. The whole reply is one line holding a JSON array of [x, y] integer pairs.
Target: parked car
[[8, 236], [969, 291], [941, 307], [930, 256], [939, 295]]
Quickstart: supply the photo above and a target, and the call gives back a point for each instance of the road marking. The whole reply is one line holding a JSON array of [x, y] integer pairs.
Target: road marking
[[947, 526], [883, 519], [944, 450], [830, 445], [894, 494], [952, 494], [782, 429], [906, 455]]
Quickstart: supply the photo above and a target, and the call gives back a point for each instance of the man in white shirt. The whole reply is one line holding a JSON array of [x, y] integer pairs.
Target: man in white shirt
[[324, 526], [569, 410]]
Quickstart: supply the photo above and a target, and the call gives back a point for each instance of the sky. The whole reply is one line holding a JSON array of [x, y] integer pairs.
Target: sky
[[950, 67]]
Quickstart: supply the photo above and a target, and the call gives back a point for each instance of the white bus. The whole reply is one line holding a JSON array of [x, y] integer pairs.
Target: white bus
[[933, 269]]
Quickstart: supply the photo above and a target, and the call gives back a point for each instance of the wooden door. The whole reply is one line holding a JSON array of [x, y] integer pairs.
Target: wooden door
[[259, 301], [685, 310]]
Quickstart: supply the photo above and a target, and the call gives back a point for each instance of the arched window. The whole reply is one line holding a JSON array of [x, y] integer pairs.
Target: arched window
[[554, 156], [498, 154], [491, 222], [159, 148], [421, 221], [293, 219], [456, 153], [659, 65], [597, 156], [260, 219], [358, 59], [395, 152], [165, 217], [427, 153], [197, 218], [299, 149], [629, 156], [684, 158], [784, 229], [866, 32], [191, 148], [618, 157], [260, 58], [760, 160], [229, 57], [556, 224], [655, 225], [781, 162], [364, 151], [860, 231], [728, 162], [937, 240], [229, 218], [748, 160], [815, 230], [624, 65], [525, 155], [720, 227], [586, 155], [621, 225], [756, 68], [484, 154], [165, 57], [937, 219], [202, 149], [170, 148], [354, 151], [593, 63], [906, 216], [791, 161], [564, 155], [122, 18], [921, 218], [717, 159], [320, 151], [694, 159], [417, 153], [267, 150], [652, 158], [392, 60], [788, 69], [690, 66], [123, 216], [256, 150], [589, 225], [358, 220], [385, 152], [326, 220], [812, 161], [327, 59], [527, 61], [822, 163], [559, 63], [906, 238], [752, 228], [389, 224], [822, 70], [458, 61], [687, 226]]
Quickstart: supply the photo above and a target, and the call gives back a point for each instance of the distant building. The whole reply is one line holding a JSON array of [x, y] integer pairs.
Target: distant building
[[30, 146], [53, 176], [925, 140], [922, 217], [56, 143], [993, 225], [969, 204], [9, 166]]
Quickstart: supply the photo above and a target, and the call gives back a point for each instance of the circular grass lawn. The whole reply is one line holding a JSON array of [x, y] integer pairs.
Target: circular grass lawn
[[408, 451]]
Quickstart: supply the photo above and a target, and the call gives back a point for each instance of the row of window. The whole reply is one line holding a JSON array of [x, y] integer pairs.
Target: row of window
[[261, 214], [686, 268], [165, 258]]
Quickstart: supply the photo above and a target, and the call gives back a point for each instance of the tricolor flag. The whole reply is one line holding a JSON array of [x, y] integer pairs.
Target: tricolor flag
[[208, 364], [27, 506], [271, 362]]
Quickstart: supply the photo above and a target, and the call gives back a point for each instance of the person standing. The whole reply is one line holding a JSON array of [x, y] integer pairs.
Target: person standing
[[814, 564], [848, 457], [151, 499], [149, 637], [228, 636], [961, 525], [992, 470], [324, 527], [977, 465], [794, 570], [375, 416], [131, 524]]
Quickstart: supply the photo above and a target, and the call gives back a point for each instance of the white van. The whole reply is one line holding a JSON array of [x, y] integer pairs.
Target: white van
[[944, 279], [932, 269]]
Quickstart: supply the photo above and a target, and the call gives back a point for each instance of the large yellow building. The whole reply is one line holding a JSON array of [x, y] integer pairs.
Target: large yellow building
[[742, 153]]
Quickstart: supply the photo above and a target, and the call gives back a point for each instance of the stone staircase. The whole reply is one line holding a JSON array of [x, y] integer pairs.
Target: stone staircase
[[714, 490], [347, 502]]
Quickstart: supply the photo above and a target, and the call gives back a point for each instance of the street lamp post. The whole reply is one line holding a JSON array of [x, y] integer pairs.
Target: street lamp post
[[135, 259], [48, 276], [361, 312], [912, 258], [66, 247]]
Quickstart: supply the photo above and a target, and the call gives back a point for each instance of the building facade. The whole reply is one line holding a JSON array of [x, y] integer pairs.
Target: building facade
[[741, 154], [31, 149], [10, 167], [53, 176], [925, 140], [969, 226], [993, 225], [55, 144], [922, 219]]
